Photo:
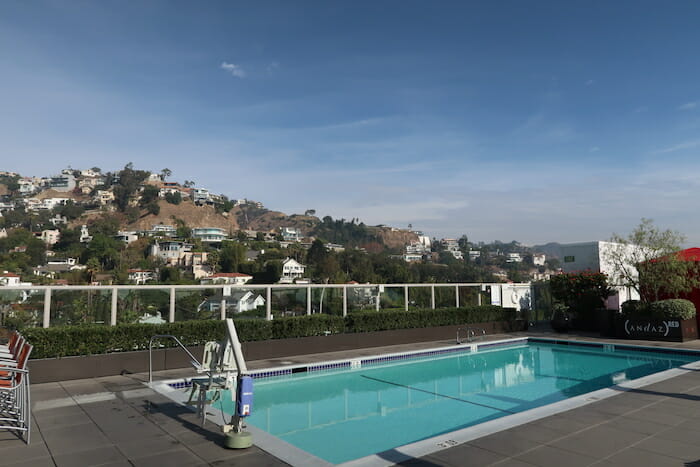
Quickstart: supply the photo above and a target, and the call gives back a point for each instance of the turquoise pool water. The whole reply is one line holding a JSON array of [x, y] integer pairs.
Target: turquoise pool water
[[346, 414]]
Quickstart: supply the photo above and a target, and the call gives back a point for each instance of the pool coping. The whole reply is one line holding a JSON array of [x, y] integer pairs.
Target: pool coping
[[296, 456]]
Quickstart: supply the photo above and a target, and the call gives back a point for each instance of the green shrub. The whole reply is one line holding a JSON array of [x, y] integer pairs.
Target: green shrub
[[367, 321], [303, 326], [663, 309], [673, 308], [633, 308]]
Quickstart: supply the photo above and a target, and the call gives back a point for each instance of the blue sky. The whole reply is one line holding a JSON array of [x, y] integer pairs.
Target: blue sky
[[509, 120]]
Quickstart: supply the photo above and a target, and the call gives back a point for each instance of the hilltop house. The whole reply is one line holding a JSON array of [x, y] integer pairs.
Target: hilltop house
[[172, 252], [209, 234], [290, 234], [232, 278], [140, 276], [57, 266], [9, 280], [538, 259], [291, 270]]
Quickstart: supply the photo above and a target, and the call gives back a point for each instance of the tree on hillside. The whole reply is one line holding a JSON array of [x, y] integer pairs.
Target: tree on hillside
[[165, 173], [129, 182], [231, 255], [647, 260]]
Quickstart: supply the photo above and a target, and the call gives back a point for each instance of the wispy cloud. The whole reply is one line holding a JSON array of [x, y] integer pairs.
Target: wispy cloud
[[679, 147], [688, 106], [590, 82], [234, 69], [594, 149], [272, 67], [641, 109]]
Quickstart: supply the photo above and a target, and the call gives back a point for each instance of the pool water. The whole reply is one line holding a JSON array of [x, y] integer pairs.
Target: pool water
[[342, 415]]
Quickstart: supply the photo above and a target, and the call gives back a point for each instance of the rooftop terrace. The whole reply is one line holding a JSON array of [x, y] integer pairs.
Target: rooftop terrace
[[119, 421]]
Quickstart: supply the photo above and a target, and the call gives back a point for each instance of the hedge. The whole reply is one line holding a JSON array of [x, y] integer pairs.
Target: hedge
[[367, 321], [63, 341], [663, 309]]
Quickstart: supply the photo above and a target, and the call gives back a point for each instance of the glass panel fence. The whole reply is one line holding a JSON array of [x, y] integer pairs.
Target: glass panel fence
[[21, 308], [145, 306], [244, 303], [362, 298], [288, 302], [74, 307], [328, 300]]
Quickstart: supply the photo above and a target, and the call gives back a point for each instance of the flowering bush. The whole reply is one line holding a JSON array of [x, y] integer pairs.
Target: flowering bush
[[582, 292]]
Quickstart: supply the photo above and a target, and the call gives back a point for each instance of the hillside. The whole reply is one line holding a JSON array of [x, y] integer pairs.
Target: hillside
[[191, 214], [273, 220], [394, 238]]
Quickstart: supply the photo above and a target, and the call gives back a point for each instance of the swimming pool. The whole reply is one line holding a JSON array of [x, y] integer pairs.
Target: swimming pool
[[342, 411]]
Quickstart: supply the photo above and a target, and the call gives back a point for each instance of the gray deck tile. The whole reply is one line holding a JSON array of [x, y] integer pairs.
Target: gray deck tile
[[77, 438], [82, 386], [91, 457], [681, 434], [513, 462], [57, 418], [38, 462], [648, 427], [671, 448], [17, 451], [179, 456], [641, 458], [466, 455], [146, 446], [658, 415], [212, 452], [550, 455], [507, 444], [48, 391], [600, 441]]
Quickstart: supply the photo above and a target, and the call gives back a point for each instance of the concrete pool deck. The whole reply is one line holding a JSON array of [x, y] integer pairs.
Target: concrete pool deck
[[117, 420]]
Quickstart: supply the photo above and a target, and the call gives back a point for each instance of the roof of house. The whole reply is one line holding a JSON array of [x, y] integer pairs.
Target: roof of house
[[8, 274], [230, 274]]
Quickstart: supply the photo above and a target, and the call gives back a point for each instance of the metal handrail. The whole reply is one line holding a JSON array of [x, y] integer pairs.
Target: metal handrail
[[150, 353]]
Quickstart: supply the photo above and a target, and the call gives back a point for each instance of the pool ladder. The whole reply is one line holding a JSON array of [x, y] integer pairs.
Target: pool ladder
[[472, 333]]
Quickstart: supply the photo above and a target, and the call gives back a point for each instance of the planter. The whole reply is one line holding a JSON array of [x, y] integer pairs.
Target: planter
[[93, 366], [670, 330], [606, 322], [561, 322]]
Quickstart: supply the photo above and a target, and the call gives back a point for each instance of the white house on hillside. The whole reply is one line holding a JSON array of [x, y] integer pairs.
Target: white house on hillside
[[172, 252], [538, 259], [291, 269], [232, 278], [140, 276]]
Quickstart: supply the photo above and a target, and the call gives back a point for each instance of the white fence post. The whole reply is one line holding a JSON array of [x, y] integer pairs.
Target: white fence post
[[345, 301], [268, 304], [47, 307], [308, 300], [432, 297], [457, 296], [171, 316], [113, 316], [405, 298]]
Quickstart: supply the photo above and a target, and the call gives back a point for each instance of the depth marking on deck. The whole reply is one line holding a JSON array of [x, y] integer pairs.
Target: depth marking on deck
[[437, 394]]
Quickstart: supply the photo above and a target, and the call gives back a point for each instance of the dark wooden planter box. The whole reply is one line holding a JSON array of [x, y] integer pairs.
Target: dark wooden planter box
[[671, 330], [93, 366]]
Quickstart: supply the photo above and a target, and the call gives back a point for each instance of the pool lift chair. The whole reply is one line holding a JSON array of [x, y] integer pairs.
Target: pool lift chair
[[226, 369]]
